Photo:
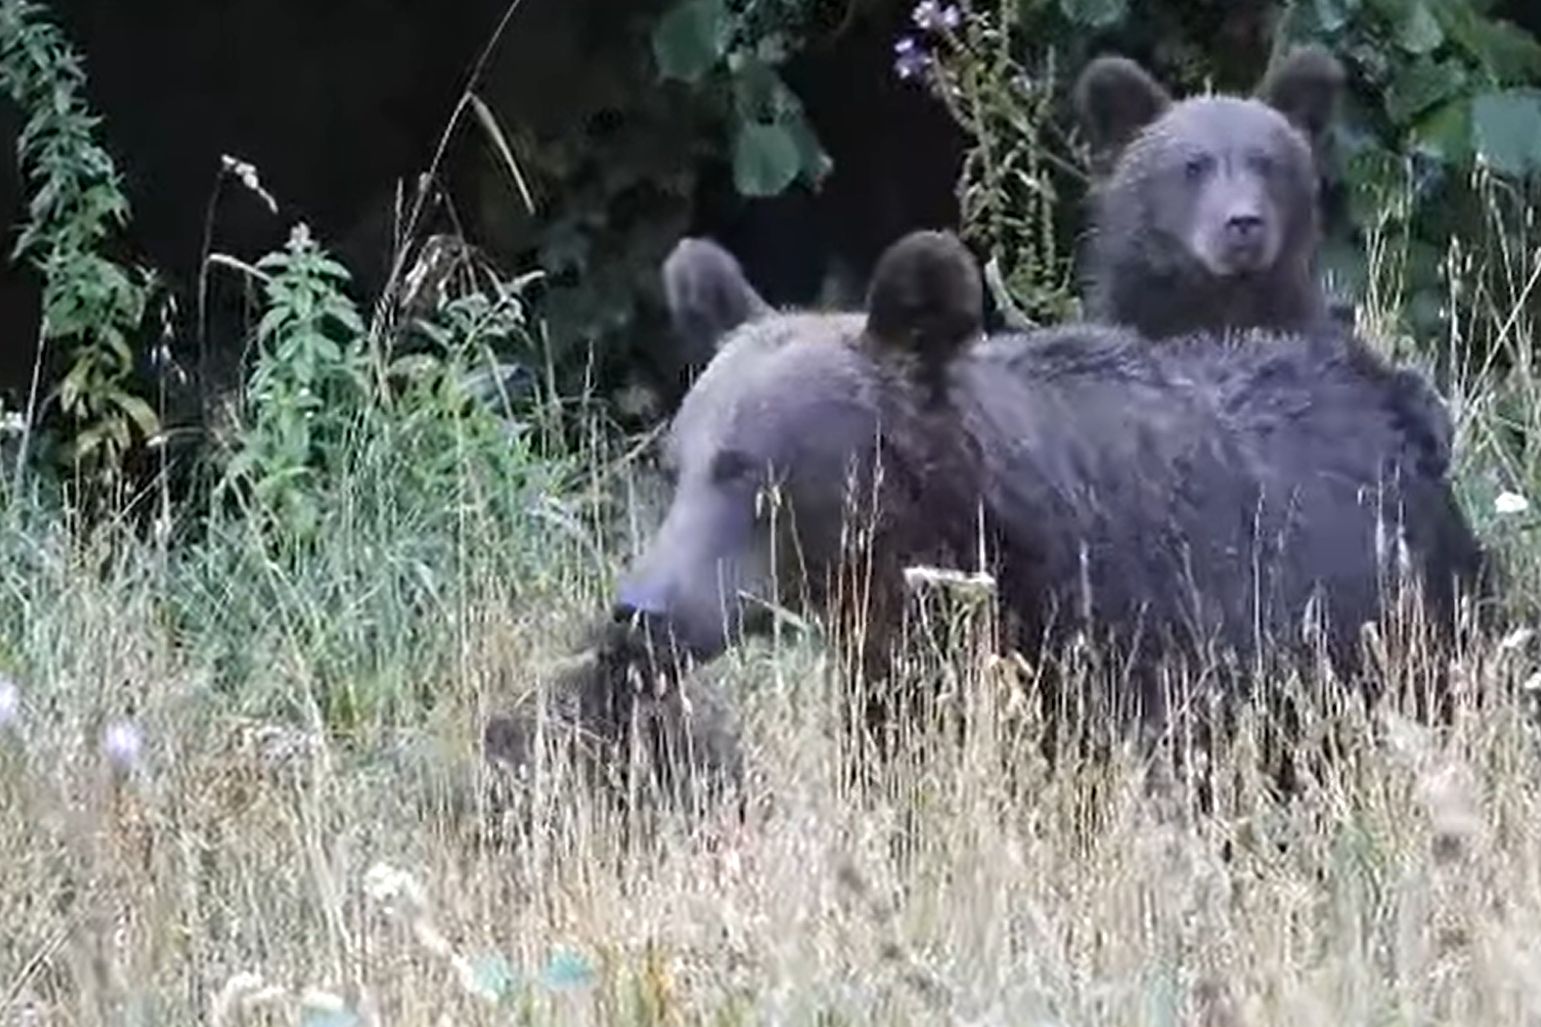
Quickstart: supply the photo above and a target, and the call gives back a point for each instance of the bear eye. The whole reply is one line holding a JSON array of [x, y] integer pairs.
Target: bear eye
[[1196, 166], [730, 465], [1262, 163]]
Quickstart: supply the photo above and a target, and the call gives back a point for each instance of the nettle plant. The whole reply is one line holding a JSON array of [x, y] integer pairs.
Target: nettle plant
[[733, 48], [93, 307], [436, 397], [308, 386]]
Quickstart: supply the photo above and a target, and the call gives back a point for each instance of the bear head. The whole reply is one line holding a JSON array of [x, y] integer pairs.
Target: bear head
[[1206, 208], [777, 443]]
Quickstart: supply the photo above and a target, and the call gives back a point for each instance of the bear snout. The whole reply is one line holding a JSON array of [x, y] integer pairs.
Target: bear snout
[[1238, 242], [1244, 226], [640, 597]]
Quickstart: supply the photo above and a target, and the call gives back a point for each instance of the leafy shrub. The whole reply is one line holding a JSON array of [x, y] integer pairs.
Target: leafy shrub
[[308, 386], [734, 50], [319, 393], [375, 492], [92, 306]]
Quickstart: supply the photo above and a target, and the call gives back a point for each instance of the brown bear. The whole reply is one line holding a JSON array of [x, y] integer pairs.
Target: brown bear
[[1188, 500], [1206, 212]]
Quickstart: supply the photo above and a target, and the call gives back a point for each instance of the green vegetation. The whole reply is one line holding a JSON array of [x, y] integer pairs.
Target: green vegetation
[[93, 307]]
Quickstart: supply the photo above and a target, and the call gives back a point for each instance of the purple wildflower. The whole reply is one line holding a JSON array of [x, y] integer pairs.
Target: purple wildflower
[[910, 58], [933, 16]]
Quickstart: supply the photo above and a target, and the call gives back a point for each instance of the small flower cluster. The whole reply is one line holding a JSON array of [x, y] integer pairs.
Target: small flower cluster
[[1508, 504], [121, 745], [911, 58]]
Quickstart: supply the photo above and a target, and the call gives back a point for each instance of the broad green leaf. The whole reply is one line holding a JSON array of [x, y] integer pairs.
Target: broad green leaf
[[765, 159], [1506, 129], [690, 38], [1508, 53], [139, 412], [1445, 132], [1421, 85], [1332, 15], [1419, 31], [1095, 13], [755, 88]]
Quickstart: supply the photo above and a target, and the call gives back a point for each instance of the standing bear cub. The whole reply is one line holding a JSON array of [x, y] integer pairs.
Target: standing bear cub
[[1192, 500], [1205, 210]]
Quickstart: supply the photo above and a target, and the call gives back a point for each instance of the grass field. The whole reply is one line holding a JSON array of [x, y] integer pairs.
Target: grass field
[[240, 786]]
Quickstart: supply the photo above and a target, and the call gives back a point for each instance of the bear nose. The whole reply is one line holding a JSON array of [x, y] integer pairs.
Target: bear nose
[[639, 599], [1243, 226]]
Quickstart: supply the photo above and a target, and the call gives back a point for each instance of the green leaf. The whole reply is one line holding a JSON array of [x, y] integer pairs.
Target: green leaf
[[1445, 132], [1332, 15], [690, 39], [1095, 13], [139, 412], [1506, 129], [1420, 85], [816, 161], [1509, 54], [755, 88], [1419, 31], [765, 159]]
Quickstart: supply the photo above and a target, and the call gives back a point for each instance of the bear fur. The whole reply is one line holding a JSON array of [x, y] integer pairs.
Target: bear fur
[[701, 286], [1205, 211], [601, 710], [1194, 501]]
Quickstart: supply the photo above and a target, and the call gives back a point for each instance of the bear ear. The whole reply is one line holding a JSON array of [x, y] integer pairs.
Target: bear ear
[[926, 297], [1305, 88], [708, 295], [1114, 99]]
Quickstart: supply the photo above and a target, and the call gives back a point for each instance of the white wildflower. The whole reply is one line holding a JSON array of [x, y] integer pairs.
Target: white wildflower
[[1510, 503], [242, 993], [323, 1001], [392, 887], [10, 703], [916, 578], [1516, 639], [121, 744]]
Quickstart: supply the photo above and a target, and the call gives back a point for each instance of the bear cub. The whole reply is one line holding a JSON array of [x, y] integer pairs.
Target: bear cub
[[1205, 211]]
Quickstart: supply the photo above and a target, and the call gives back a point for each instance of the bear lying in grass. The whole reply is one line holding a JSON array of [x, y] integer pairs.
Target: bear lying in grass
[[1195, 501], [1205, 211], [1192, 500]]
